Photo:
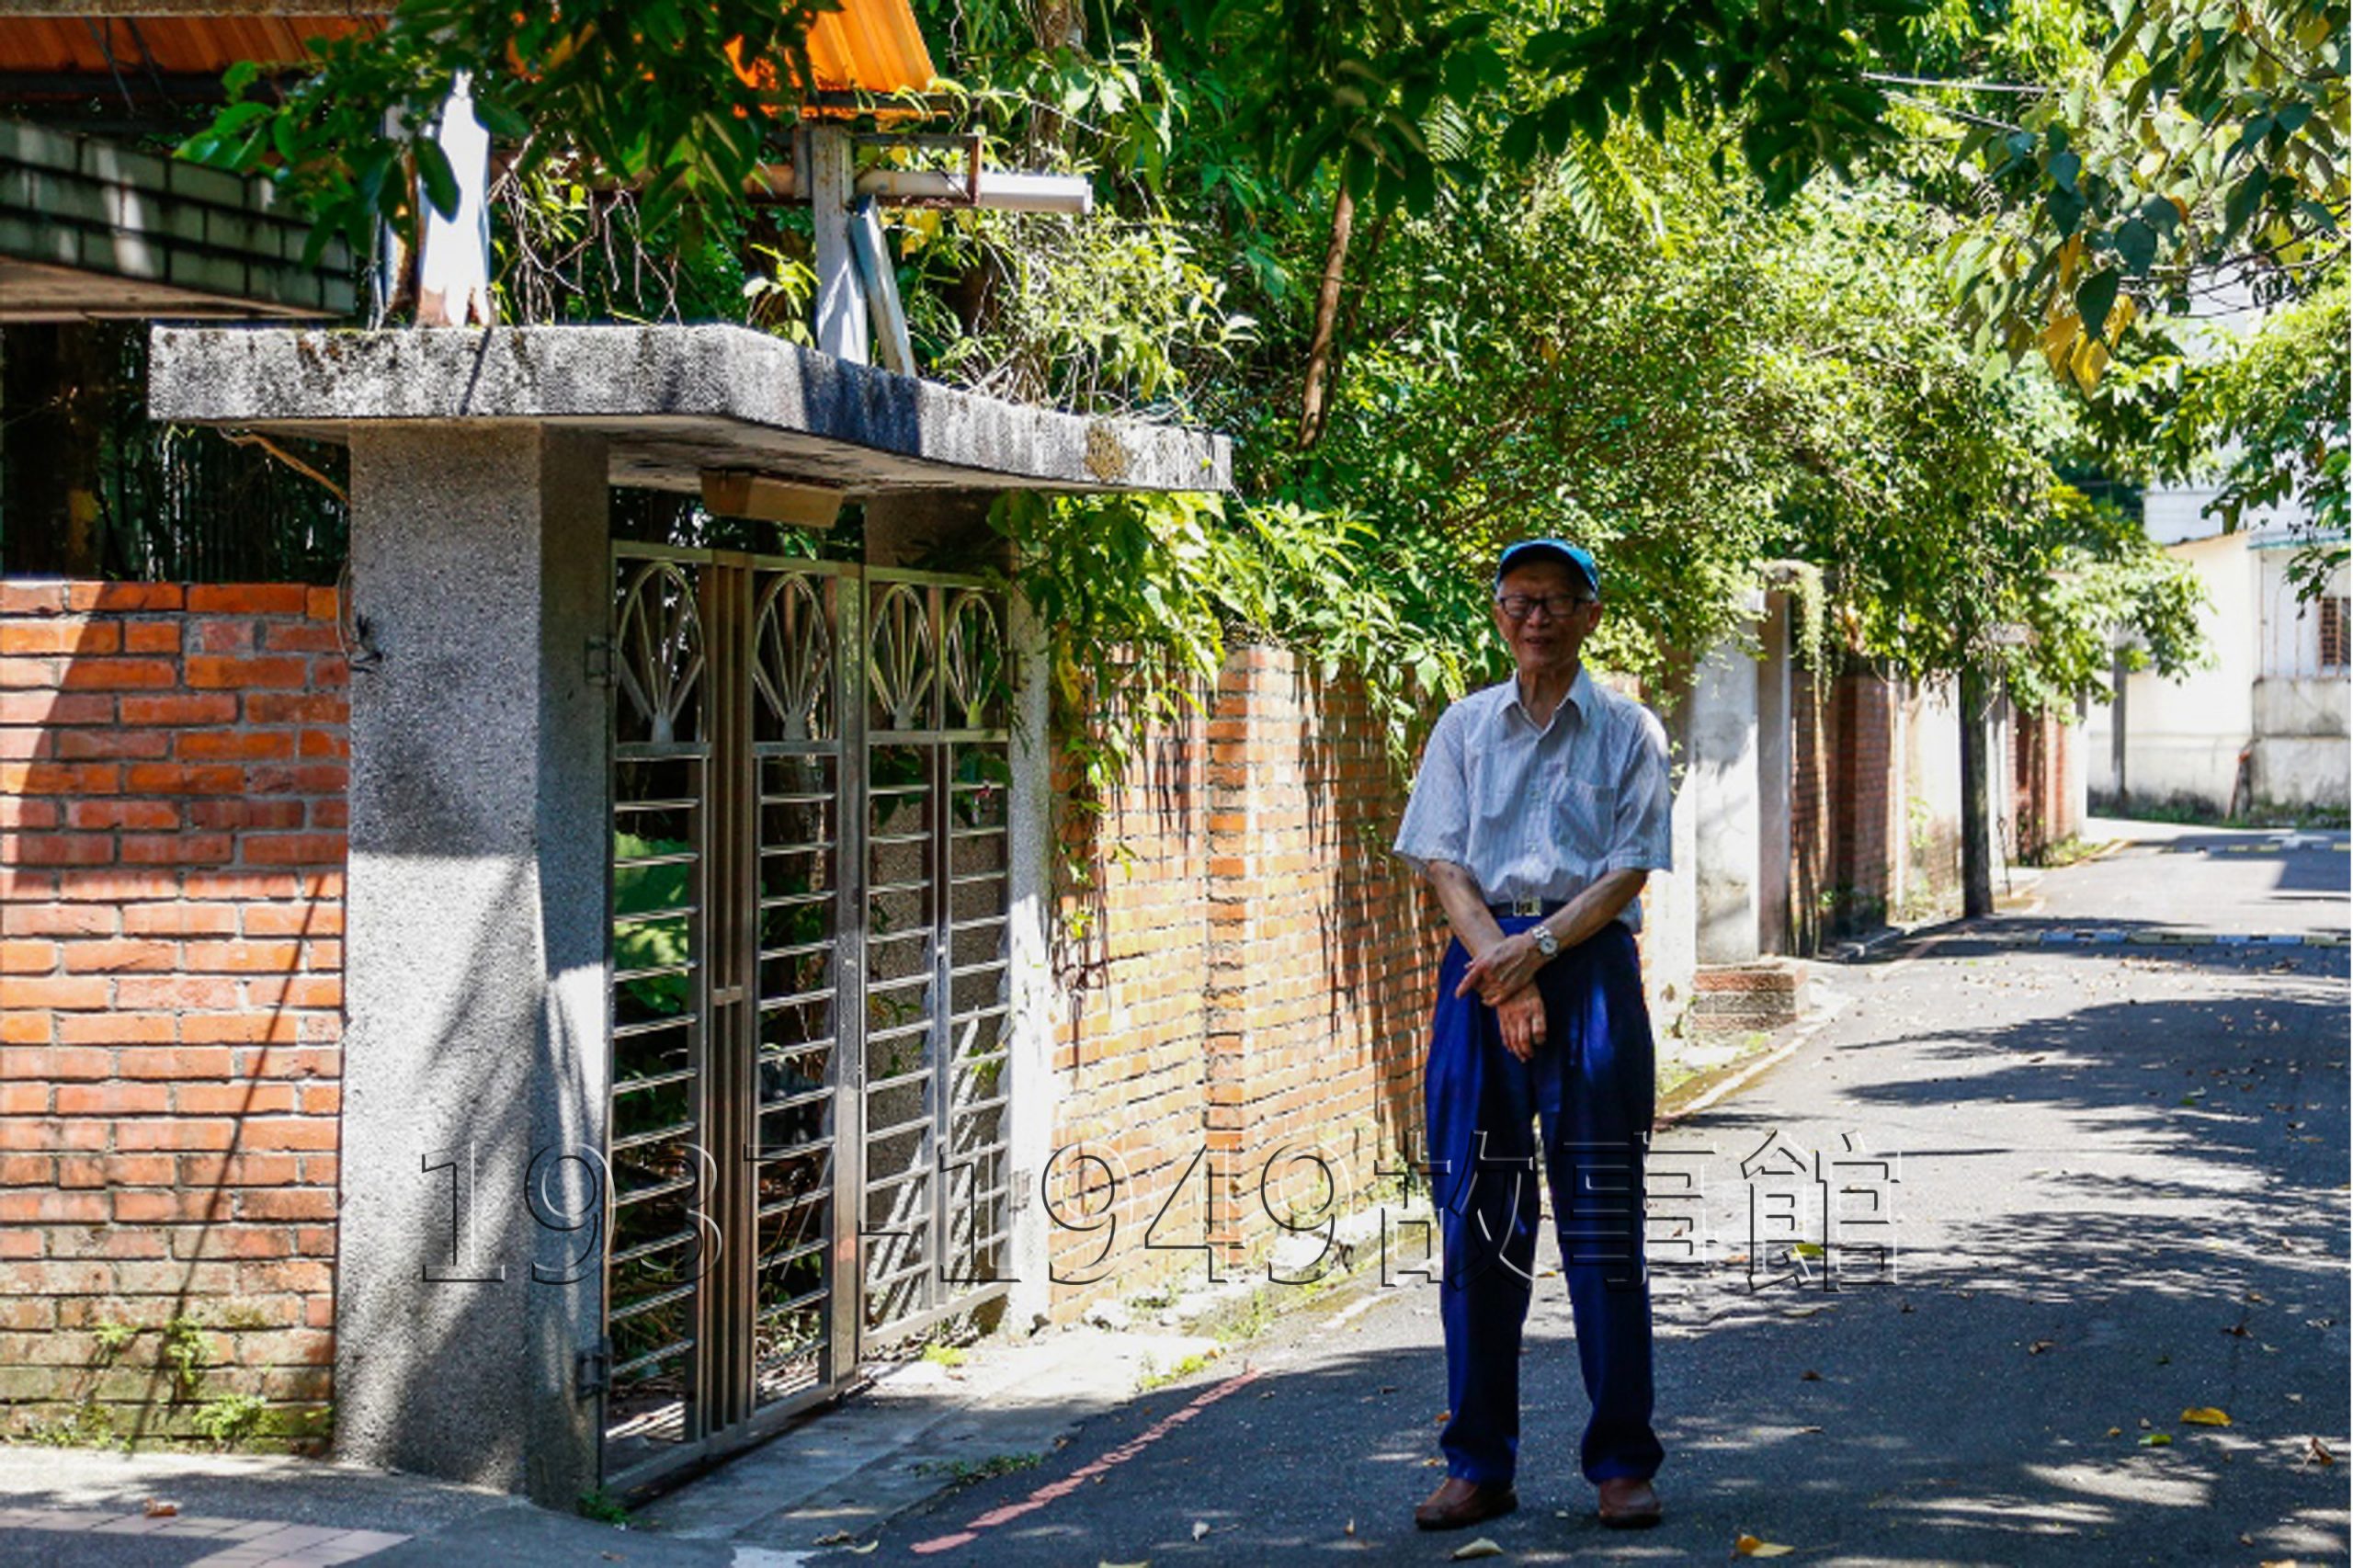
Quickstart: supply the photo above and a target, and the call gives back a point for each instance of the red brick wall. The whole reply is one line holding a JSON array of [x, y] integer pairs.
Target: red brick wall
[[1129, 1046], [1868, 806], [1262, 987], [1847, 805], [172, 774], [2043, 761]]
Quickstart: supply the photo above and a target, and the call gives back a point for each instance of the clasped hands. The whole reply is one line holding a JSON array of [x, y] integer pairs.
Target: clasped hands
[[1505, 979]]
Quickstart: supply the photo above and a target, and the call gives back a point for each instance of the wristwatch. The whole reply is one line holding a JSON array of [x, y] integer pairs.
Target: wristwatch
[[1546, 943]]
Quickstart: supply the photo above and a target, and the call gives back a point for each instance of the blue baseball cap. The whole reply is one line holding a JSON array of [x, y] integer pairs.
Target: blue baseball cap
[[1560, 549]]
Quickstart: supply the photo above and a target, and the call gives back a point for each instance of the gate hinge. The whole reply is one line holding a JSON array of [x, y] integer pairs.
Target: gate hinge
[[592, 1371], [597, 662]]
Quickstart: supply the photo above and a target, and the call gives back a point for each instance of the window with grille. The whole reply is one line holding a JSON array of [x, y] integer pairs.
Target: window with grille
[[2336, 649]]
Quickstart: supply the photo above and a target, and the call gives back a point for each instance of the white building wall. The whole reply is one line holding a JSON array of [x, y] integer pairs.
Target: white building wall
[[2096, 740], [1928, 837], [2183, 737], [2301, 705]]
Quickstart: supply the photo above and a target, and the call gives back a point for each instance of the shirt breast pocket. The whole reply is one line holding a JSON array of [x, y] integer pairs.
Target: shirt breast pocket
[[1585, 812]]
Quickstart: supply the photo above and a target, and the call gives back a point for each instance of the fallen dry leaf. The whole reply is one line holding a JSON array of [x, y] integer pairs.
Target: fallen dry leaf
[[839, 1537], [2205, 1415], [2115, 1431], [1749, 1546], [1481, 1547], [159, 1510], [2319, 1453], [2039, 1346], [1809, 1376], [1351, 1528]]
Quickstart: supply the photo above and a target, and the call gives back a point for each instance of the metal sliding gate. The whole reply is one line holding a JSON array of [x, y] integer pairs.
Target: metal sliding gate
[[807, 1147]]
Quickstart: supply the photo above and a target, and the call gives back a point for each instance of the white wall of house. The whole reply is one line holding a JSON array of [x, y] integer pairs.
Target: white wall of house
[[1927, 740], [2183, 737], [1670, 902], [2267, 692], [2301, 695]]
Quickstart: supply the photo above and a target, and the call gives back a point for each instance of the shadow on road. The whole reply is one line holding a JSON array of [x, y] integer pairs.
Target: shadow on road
[[2125, 1196]]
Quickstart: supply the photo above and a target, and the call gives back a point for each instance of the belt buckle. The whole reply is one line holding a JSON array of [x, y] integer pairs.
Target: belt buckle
[[1527, 906]]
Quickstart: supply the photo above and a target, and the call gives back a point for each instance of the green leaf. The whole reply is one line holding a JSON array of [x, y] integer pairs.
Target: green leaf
[[501, 119], [237, 115], [440, 180], [1520, 137], [2136, 243], [2067, 210], [2095, 298]]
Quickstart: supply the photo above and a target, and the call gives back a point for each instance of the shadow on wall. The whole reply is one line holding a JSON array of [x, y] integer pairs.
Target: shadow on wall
[[1379, 932], [1252, 975]]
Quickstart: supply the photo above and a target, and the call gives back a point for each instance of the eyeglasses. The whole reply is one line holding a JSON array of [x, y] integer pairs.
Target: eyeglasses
[[1556, 606]]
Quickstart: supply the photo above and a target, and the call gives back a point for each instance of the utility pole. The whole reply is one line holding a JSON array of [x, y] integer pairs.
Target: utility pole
[[1977, 834]]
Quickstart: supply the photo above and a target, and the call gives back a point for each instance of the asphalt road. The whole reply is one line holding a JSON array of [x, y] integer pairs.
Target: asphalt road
[[2113, 1172]]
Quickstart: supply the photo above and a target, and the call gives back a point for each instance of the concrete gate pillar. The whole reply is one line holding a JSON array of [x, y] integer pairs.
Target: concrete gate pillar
[[1776, 776], [475, 984], [1725, 806]]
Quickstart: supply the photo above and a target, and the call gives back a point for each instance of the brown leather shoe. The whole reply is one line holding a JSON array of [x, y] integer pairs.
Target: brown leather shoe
[[1459, 1503], [1628, 1504]]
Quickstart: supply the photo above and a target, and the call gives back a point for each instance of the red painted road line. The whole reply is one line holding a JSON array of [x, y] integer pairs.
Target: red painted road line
[[1055, 1490]]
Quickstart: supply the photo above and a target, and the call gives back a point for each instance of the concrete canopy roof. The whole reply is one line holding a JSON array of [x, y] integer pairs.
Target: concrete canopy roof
[[671, 402]]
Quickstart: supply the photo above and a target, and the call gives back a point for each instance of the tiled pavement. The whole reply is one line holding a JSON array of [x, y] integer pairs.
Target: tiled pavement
[[247, 1543]]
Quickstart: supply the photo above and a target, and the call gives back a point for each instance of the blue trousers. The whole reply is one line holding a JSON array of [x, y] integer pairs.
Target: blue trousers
[[1590, 1089]]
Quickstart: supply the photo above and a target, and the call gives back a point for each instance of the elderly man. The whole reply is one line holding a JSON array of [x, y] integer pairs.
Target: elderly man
[[1541, 810]]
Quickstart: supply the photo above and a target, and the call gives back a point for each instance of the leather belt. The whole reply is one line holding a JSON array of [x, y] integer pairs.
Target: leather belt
[[1538, 907]]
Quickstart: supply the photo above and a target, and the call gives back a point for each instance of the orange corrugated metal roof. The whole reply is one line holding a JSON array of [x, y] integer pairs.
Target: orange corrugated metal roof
[[868, 45], [177, 45], [874, 45]]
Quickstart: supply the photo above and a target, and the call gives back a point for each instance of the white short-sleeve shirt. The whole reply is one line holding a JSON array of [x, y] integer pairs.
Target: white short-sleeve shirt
[[1543, 812]]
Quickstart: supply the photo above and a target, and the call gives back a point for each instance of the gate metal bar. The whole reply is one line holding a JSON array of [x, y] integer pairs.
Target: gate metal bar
[[753, 698], [656, 1168], [945, 703]]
